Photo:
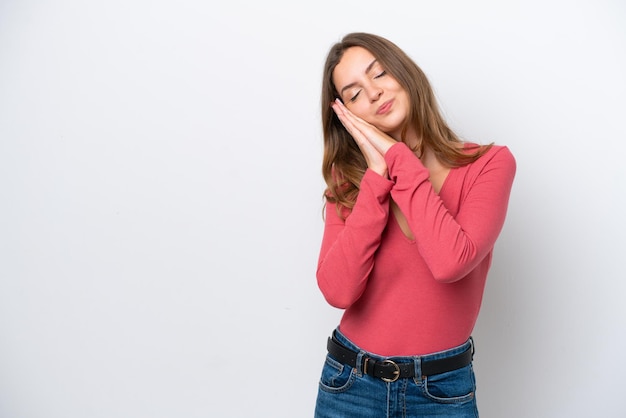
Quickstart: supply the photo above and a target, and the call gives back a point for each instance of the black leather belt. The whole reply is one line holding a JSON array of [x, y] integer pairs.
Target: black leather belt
[[390, 371]]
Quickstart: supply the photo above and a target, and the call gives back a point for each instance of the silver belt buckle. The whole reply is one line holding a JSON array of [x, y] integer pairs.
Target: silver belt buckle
[[396, 372]]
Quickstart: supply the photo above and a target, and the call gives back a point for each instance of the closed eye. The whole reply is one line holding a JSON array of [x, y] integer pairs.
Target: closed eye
[[353, 98], [381, 74]]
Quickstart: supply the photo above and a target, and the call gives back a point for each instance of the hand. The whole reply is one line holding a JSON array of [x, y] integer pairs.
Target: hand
[[372, 142]]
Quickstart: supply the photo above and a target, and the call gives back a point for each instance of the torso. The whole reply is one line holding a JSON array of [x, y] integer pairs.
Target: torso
[[416, 297]]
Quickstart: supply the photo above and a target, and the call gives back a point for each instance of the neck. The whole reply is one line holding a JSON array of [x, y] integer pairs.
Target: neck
[[415, 143], [410, 138]]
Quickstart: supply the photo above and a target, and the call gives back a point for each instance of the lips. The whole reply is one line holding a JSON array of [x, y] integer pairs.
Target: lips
[[385, 107]]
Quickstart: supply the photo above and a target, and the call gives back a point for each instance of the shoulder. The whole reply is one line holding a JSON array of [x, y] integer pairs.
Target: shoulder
[[496, 154], [496, 164]]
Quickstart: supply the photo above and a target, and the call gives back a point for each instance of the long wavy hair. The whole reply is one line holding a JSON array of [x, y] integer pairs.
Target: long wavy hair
[[343, 164]]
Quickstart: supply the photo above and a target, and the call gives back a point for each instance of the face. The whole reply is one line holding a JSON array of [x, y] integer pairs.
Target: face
[[369, 92]]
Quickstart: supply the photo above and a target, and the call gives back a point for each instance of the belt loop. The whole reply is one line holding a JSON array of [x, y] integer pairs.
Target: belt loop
[[417, 363], [359, 363], [471, 340]]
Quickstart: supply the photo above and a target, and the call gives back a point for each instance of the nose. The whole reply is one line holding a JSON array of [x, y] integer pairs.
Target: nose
[[375, 93]]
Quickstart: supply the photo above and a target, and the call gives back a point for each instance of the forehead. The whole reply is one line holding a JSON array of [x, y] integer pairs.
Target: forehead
[[352, 65]]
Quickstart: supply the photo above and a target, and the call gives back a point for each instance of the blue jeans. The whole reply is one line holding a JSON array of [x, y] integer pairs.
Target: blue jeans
[[346, 392]]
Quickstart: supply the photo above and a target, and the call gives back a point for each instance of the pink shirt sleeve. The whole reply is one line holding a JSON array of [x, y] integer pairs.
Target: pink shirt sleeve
[[348, 247], [452, 246]]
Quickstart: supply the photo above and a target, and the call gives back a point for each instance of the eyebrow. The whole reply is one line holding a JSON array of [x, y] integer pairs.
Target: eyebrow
[[367, 70]]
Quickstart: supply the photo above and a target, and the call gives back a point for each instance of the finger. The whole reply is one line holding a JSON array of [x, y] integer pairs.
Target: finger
[[346, 115], [380, 140], [348, 123], [365, 128], [367, 148], [349, 113]]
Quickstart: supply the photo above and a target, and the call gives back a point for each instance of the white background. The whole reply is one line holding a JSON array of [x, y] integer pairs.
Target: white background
[[161, 200]]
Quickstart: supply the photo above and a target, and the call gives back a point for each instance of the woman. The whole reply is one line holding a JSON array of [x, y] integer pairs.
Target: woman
[[412, 215]]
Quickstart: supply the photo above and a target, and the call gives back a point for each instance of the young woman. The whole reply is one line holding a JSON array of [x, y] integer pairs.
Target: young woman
[[412, 215]]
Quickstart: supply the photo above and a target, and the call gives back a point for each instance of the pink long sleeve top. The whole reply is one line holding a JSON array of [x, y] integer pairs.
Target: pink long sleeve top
[[417, 296]]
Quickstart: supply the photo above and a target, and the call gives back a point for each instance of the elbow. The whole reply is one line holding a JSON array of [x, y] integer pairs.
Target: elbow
[[335, 296], [338, 301], [450, 273], [447, 278]]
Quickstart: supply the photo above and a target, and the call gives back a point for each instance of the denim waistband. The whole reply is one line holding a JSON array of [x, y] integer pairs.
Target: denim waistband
[[405, 359]]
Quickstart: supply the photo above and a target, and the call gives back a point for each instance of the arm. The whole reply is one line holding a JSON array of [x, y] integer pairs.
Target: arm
[[348, 247], [452, 246]]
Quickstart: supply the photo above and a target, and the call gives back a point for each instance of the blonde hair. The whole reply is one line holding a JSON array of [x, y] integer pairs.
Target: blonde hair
[[343, 165]]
